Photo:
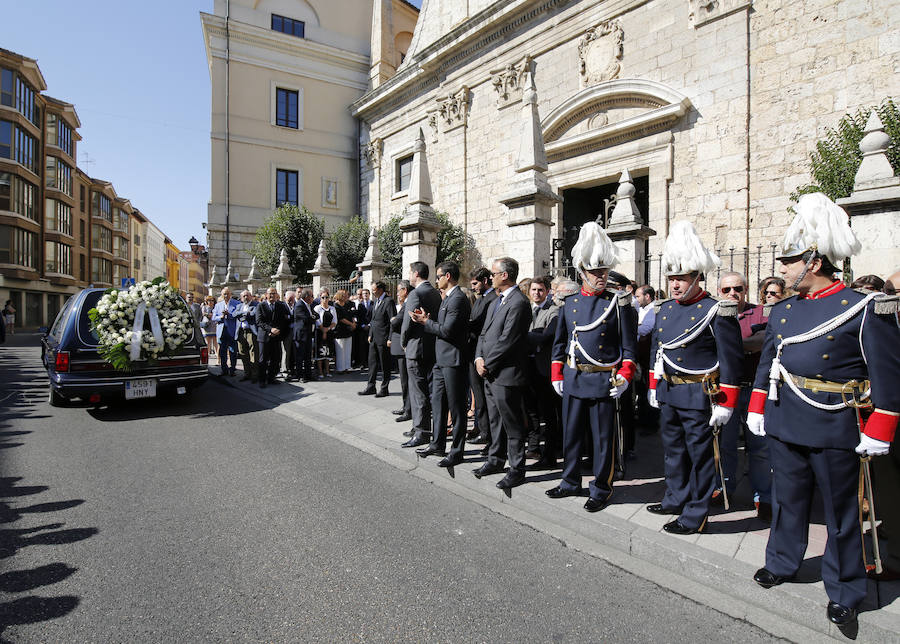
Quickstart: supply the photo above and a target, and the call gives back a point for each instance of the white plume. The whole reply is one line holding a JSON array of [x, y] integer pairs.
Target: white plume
[[820, 222], [684, 252], [594, 248]]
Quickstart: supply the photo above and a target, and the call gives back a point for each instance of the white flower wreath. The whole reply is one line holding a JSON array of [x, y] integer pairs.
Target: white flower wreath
[[142, 323]]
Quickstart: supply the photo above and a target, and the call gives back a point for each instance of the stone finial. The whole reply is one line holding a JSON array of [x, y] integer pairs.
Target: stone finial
[[283, 263], [626, 212], [252, 276], [229, 274], [322, 264], [420, 180], [373, 253], [212, 275], [875, 171]]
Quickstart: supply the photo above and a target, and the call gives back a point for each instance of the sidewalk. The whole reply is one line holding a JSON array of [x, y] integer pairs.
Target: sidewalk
[[714, 568]]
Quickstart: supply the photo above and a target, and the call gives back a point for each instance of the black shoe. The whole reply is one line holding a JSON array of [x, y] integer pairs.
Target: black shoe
[[402, 418], [484, 450], [595, 505], [840, 614], [560, 492], [367, 392], [450, 461], [410, 433], [486, 470], [657, 508], [382, 394], [398, 412], [676, 527], [425, 452], [532, 453], [767, 578], [543, 463], [618, 475], [481, 440], [416, 441], [510, 481]]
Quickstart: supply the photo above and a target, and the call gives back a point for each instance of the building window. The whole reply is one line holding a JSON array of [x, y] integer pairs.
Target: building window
[[286, 102], [81, 268], [81, 198], [137, 240], [18, 247], [101, 270], [101, 207], [101, 238], [58, 175], [120, 247], [17, 195], [57, 258], [121, 220], [26, 150], [81, 232], [6, 139], [7, 93], [59, 133], [403, 171], [25, 101], [286, 187], [288, 26], [58, 216]]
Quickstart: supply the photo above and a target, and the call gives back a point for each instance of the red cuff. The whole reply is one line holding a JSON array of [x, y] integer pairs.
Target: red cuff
[[728, 396], [881, 425], [626, 370], [556, 371], [757, 402], [653, 380]]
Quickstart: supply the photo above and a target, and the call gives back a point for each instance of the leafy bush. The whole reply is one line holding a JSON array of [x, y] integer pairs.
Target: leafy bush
[[295, 229], [452, 244], [346, 246], [836, 159], [389, 237]]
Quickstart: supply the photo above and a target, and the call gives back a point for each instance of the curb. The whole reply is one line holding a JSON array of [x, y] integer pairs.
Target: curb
[[795, 612]]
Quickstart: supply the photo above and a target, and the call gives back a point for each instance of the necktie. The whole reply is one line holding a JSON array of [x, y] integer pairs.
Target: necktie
[[498, 303]]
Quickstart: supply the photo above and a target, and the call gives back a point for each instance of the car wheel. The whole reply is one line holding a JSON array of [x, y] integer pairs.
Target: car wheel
[[55, 398]]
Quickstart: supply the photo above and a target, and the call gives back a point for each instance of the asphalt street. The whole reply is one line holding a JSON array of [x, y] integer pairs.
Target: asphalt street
[[215, 518]]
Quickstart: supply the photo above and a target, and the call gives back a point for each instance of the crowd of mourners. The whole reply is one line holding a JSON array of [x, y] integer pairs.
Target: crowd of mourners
[[561, 373]]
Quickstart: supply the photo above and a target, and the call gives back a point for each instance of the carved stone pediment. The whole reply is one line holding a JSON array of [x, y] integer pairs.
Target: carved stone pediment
[[600, 52], [608, 114], [509, 81]]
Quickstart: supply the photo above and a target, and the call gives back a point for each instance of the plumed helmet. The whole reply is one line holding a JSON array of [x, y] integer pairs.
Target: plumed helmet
[[594, 248], [820, 225], [684, 253]]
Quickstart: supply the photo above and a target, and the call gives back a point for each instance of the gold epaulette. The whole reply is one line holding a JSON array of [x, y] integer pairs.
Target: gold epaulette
[[624, 298], [887, 305], [727, 309]]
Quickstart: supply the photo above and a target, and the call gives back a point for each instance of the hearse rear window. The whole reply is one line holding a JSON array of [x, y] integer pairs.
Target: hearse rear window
[[84, 322]]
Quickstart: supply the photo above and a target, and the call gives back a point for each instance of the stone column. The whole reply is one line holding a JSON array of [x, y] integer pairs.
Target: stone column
[[283, 276], [874, 205], [253, 282], [627, 230], [372, 267], [530, 199], [419, 225], [322, 273]]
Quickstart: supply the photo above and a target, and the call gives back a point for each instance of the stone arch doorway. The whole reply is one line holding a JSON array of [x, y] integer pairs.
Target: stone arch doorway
[[595, 135]]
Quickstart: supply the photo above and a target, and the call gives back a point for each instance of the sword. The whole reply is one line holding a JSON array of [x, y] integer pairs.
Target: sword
[[620, 433], [865, 482], [712, 389]]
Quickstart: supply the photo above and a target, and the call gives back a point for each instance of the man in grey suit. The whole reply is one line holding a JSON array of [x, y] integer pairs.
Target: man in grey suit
[[501, 359], [379, 333], [419, 347], [480, 281], [449, 376]]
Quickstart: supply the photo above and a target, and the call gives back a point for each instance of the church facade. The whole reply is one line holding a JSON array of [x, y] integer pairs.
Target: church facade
[[539, 115]]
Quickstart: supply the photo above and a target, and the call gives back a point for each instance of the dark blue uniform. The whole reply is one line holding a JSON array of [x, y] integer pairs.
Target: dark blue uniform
[[684, 406], [810, 445], [586, 393]]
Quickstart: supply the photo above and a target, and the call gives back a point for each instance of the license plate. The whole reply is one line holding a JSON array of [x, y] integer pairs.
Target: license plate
[[140, 389]]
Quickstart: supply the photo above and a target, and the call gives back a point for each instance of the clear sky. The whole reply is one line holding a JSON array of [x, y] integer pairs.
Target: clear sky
[[137, 75]]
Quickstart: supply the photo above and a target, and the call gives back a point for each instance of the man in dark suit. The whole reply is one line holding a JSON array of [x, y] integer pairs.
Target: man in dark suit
[[449, 379], [419, 348], [302, 330], [404, 413], [501, 359], [543, 400], [272, 324], [379, 326], [361, 346], [287, 340], [480, 281]]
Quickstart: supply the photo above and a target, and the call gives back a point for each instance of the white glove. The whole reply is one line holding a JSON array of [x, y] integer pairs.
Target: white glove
[[557, 387], [756, 423], [720, 415], [618, 387], [872, 446], [651, 399]]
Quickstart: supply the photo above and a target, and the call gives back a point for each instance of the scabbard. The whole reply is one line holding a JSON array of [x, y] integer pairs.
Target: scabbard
[[867, 480], [718, 458]]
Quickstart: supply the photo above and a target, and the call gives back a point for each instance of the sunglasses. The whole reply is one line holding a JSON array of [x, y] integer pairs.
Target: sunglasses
[[773, 293], [736, 289]]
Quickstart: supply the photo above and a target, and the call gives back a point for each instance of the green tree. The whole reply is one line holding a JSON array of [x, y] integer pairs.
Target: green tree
[[295, 229], [346, 246], [452, 244], [836, 159], [389, 238]]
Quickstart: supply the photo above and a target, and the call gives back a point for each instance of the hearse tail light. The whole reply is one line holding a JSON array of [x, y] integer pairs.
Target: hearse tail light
[[62, 361], [204, 355]]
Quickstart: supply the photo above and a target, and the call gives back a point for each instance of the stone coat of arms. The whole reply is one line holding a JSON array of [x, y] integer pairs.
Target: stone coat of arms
[[600, 50]]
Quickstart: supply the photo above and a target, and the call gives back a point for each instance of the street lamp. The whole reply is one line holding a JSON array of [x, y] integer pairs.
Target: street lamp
[[202, 255]]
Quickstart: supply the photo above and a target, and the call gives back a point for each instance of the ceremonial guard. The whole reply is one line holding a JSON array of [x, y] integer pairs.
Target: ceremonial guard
[[592, 363], [695, 380], [828, 352]]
